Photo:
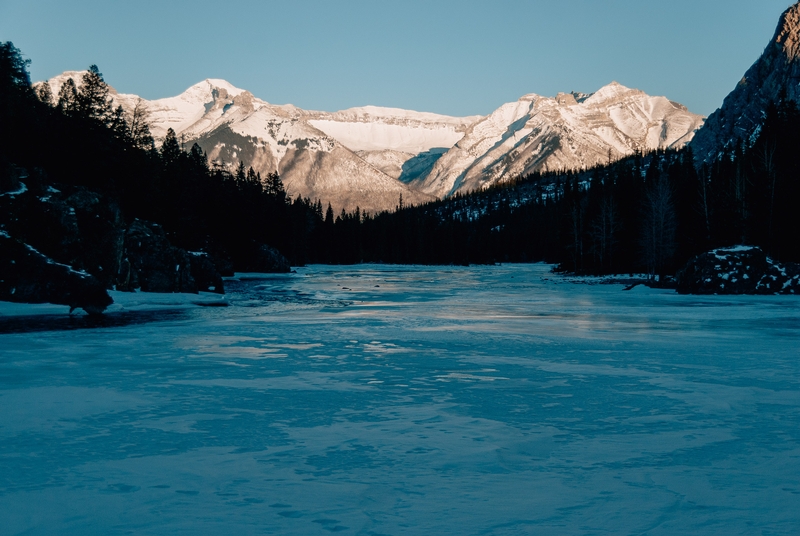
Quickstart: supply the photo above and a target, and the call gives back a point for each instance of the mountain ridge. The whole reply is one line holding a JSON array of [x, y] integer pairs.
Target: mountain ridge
[[369, 156]]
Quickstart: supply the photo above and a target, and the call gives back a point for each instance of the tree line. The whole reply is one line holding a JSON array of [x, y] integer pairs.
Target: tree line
[[648, 212], [77, 138], [645, 213]]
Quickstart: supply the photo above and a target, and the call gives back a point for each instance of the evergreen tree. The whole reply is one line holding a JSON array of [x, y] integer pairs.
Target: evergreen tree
[[240, 175], [329, 216], [253, 181], [45, 93], [198, 159], [68, 98], [170, 149], [118, 124], [93, 100], [15, 83], [274, 186]]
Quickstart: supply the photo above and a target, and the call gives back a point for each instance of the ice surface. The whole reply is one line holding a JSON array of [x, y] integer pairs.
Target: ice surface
[[409, 400]]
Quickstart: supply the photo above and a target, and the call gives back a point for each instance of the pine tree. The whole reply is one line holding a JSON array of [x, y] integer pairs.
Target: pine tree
[[198, 158], [329, 215], [253, 180], [68, 98], [274, 186], [118, 124], [93, 100], [14, 78], [45, 93], [170, 149], [241, 175]]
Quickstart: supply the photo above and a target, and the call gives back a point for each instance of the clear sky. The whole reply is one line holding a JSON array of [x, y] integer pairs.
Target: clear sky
[[460, 57]]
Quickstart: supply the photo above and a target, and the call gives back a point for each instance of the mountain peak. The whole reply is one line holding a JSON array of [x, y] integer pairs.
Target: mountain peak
[[609, 91], [788, 33], [219, 83], [212, 88]]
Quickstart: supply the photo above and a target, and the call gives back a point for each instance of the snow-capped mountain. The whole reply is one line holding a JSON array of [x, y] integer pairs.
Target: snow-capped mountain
[[570, 131], [774, 74], [230, 124], [369, 156]]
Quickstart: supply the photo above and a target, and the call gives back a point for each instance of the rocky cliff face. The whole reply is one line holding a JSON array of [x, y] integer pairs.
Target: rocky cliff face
[[775, 74]]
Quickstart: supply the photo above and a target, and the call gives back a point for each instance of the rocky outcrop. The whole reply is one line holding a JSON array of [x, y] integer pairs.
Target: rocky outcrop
[[205, 273], [76, 227], [268, 260], [775, 74], [28, 276], [152, 264], [85, 233], [738, 270]]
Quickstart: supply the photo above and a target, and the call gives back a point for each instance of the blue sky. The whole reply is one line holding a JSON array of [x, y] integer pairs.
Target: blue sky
[[455, 57]]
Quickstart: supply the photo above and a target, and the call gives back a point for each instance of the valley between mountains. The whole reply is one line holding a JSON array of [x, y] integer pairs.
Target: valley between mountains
[[369, 157]]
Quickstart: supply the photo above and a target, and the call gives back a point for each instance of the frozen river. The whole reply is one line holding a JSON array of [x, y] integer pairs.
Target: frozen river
[[408, 400]]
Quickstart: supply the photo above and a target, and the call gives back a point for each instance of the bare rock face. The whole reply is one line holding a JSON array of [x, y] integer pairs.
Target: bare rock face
[[738, 270], [28, 276], [774, 74]]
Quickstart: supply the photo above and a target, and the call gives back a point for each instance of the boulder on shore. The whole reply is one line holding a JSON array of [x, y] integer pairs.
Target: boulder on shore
[[86, 231], [28, 276], [268, 260], [70, 225], [152, 264], [738, 270], [205, 273]]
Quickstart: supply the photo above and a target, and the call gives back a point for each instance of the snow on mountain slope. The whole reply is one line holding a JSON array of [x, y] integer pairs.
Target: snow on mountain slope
[[193, 109], [376, 129], [369, 156], [570, 131], [237, 126], [232, 125], [406, 167]]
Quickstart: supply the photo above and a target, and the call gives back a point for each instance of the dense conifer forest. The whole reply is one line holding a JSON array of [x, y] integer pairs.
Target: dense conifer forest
[[646, 213]]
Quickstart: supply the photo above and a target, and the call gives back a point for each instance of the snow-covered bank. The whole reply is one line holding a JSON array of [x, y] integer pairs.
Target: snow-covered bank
[[123, 302]]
